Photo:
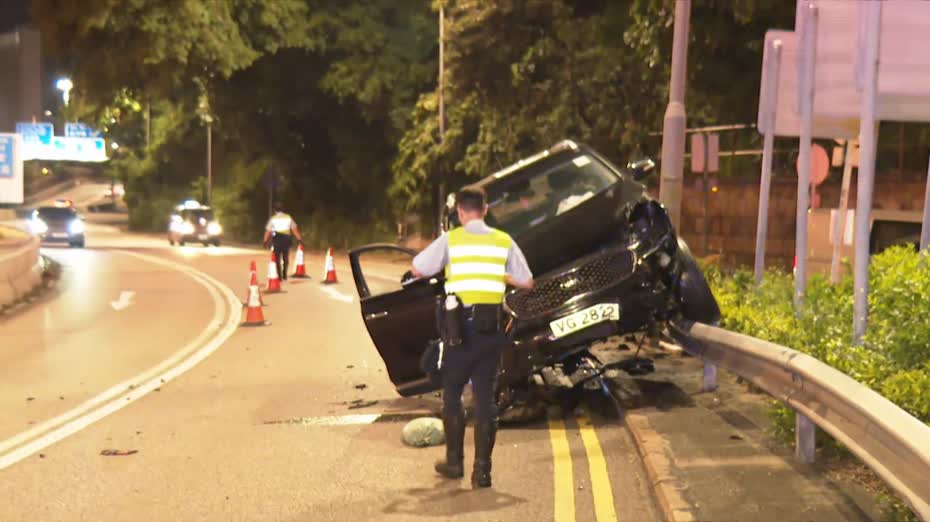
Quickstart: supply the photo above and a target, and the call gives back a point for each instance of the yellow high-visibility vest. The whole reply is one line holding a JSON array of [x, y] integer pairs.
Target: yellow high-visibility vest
[[477, 266]]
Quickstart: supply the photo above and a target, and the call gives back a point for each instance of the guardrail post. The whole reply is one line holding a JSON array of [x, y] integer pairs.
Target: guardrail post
[[710, 377], [805, 438]]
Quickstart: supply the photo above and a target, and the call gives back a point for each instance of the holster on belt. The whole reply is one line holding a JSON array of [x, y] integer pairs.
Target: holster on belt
[[450, 319]]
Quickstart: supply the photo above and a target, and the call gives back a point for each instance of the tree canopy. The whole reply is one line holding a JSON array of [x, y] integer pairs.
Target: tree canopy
[[337, 104]]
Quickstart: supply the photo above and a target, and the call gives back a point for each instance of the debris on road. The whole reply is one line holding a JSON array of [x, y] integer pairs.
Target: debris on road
[[350, 366], [359, 403], [361, 386], [41, 455], [118, 453], [423, 432], [30, 399]]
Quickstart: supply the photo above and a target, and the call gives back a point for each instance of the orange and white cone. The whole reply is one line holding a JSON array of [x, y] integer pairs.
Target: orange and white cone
[[301, 271], [329, 268], [253, 281], [274, 284], [253, 308]]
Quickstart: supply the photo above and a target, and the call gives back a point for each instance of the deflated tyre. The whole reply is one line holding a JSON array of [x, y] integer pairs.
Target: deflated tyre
[[694, 295]]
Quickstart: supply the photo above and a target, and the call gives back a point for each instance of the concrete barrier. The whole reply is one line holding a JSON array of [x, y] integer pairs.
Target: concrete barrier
[[19, 267]]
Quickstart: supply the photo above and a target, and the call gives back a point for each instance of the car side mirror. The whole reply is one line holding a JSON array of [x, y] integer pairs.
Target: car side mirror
[[641, 169]]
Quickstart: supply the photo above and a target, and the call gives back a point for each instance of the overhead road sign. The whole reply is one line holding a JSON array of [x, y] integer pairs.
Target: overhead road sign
[[80, 130], [62, 148], [40, 132]]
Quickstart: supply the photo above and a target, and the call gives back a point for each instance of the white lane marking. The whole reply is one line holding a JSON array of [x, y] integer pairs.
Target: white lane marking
[[334, 420], [218, 331], [336, 294], [124, 301]]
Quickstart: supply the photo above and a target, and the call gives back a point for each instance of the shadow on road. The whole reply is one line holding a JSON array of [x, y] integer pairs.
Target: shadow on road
[[448, 499]]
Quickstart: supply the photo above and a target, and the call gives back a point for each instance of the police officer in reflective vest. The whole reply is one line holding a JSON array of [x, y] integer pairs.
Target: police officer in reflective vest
[[281, 229], [479, 262]]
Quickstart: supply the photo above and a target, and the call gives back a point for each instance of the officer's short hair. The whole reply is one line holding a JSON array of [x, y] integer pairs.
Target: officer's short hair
[[278, 206], [471, 199]]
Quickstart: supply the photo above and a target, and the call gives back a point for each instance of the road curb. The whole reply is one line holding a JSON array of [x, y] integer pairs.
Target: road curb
[[653, 449]]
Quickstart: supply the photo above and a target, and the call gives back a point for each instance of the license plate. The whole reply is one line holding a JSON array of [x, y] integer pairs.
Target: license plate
[[59, 235], [202, 236], [585, 318]]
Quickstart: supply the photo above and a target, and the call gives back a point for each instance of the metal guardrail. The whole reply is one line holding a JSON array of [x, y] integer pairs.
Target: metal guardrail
[[886, 438]]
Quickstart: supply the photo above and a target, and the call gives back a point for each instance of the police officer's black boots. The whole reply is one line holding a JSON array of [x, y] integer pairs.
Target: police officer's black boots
[[454, 465], [485, 433]]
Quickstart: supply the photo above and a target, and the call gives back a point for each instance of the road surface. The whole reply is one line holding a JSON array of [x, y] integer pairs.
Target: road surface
[[138, 352]]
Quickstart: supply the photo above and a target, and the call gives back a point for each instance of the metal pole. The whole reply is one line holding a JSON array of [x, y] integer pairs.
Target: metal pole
[[868, 136], [442, 115], [768, 151], [925, 224], [148, 124], [706, 197], [673, 126], [839, 224], [209, 162], [804, 157]]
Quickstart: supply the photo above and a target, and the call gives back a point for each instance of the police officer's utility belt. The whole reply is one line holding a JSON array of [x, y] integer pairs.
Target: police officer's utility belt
[[451, 315]]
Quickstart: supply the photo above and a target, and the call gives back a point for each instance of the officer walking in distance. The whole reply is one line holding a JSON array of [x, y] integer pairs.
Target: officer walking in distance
[[281, 229], [479, 263]]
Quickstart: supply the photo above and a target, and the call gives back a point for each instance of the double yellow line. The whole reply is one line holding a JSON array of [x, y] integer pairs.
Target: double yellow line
[[563, 480]]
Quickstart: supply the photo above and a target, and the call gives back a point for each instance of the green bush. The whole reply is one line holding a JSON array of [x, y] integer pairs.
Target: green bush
[[894, 357]]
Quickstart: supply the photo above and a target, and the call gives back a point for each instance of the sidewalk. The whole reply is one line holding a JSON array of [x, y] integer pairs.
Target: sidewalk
[[712, 458]]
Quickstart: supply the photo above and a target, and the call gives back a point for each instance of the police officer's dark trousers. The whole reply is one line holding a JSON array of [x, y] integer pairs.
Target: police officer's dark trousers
[[476, 359], [282, 251]]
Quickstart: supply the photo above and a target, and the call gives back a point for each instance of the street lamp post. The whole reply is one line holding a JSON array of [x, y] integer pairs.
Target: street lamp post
[[442, 112], [673, 127]]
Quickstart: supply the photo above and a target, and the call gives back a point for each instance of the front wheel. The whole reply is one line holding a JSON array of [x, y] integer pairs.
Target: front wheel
[[694, 295]]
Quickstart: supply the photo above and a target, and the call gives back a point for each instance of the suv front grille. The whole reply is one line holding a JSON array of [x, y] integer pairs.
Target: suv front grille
[[550, 293]]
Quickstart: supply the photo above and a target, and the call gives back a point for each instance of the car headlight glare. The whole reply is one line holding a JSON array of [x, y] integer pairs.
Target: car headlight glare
[[76, 227], [38, 226], [214, 229], [186, 228]]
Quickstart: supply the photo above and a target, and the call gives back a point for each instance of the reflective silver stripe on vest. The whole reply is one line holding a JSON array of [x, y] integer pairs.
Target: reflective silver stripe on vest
[[281, 224], [477, 268], [478, 251]]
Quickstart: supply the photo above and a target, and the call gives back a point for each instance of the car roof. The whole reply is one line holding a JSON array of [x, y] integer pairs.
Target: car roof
[[562, 146]]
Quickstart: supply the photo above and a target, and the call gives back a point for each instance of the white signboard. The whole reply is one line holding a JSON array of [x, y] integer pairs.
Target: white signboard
[[903, 63], [904, 66], [11, 169], [787, 112]]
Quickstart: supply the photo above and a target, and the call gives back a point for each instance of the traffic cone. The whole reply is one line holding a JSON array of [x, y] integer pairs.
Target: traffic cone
[[274, 284], [301, 271], [253, 281], [329, 269], [253, 310]]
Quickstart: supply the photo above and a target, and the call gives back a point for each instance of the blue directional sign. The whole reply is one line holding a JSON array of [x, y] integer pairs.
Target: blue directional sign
[[79, 130], [6, 156], [41, 132]]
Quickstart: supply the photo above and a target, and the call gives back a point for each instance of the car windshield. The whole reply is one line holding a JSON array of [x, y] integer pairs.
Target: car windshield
[[55, 213], [519, 203], [194, 215]]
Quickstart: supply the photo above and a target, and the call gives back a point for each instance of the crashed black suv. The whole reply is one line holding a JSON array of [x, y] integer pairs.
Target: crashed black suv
[[606, 258]]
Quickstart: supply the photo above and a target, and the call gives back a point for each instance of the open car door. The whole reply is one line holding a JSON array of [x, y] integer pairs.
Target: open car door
[[400, 318]]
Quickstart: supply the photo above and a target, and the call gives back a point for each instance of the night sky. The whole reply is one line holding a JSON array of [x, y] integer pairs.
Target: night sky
[[13, 13]]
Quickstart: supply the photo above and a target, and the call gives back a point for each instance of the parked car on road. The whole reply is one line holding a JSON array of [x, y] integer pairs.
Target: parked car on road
[[607, 261], [58, 223], [193, 222]]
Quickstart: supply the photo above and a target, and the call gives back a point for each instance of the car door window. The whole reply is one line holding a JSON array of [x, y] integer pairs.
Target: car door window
[[383, 270]]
